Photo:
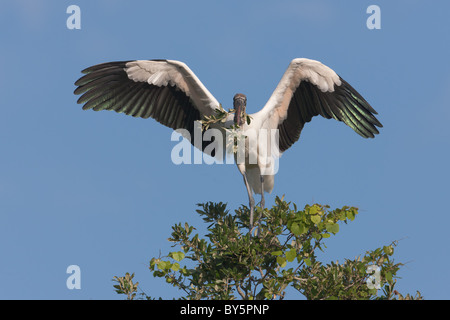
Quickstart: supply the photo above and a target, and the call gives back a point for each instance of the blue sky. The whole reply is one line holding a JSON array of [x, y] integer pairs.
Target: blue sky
[[99, 190]]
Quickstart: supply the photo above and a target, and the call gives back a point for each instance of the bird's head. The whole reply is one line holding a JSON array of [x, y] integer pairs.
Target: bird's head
[[239, 104]]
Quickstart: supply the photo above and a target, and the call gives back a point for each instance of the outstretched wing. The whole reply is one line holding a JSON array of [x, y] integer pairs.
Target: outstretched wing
[[165, 90], [307, 89]]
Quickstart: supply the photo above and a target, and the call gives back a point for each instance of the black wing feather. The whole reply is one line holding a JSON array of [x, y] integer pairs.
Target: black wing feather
[[106, 86], [344, 104]]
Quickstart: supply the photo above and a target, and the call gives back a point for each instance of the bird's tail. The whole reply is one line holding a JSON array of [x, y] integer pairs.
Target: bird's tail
[[254, 180]]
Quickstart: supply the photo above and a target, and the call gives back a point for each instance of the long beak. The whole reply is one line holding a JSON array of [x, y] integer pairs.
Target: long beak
[[239, 106]]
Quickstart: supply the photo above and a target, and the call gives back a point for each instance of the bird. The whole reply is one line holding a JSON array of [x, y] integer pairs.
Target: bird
[[169, 92]]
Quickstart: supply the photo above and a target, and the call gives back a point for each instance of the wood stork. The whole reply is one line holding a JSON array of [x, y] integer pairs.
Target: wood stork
[[171, 93]]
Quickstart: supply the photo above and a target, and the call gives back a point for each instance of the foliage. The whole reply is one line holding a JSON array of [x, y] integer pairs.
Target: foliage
[[221, 116], [228, 263], [126, 286]]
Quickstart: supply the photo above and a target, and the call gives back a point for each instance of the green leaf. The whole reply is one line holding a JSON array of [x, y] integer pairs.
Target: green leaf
[[153, 262], [332, 227], [351, 215], [298, 229], [184, 271], [277, 253], [178, 256], [175, 266], [389, 250], [316, 218], [162, 265], [308, 262], [291, 254], [281, 261], [388, 277], [314, 210]]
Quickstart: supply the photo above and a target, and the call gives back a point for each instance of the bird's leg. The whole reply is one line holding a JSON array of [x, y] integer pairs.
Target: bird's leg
[[251, 201], [263, 202]]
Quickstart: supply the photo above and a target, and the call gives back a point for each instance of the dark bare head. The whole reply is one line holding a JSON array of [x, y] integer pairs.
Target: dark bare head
[[239, 104]]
